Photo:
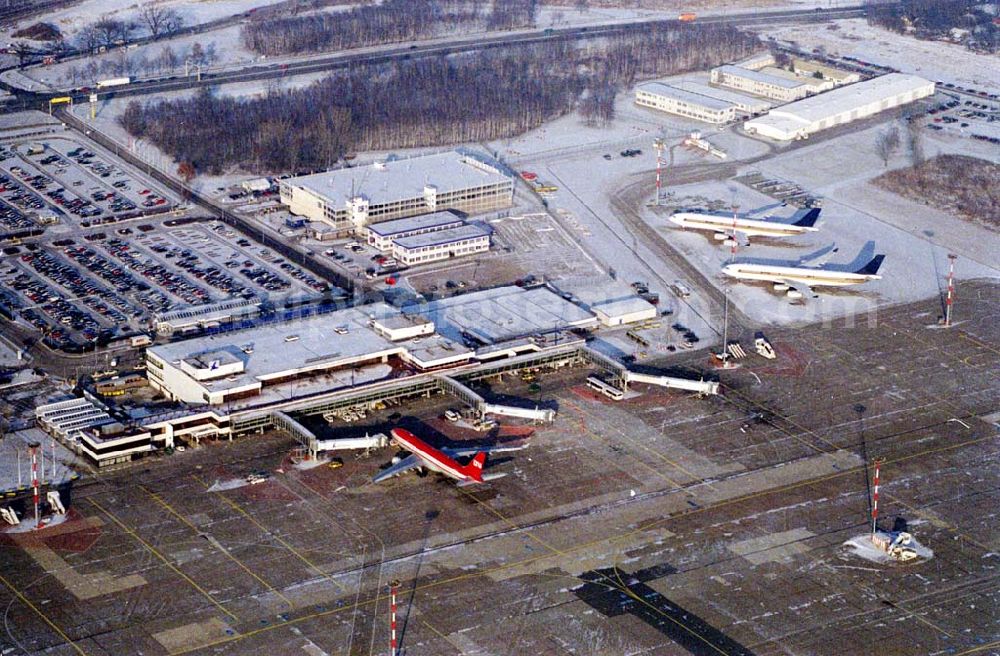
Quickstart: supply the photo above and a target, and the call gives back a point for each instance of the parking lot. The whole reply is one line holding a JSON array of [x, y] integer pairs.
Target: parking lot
[[112, 282], [53, 180], [960, 113]]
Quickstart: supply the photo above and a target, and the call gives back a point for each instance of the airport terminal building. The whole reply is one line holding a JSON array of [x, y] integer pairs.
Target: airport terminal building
[[350, 199], [842, 105]]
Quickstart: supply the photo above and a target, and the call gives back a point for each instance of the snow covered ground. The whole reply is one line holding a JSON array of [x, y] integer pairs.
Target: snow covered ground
[[72, 19], [930, 59]]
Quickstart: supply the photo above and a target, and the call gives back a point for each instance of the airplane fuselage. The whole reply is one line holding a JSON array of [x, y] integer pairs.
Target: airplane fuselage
[[749, 227], [430, 458], [805, 275]]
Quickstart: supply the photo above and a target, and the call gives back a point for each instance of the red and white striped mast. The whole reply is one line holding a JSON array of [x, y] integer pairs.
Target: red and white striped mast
[[33, 447], [878, 465], [951, 289], [658, 145], [393, 588]]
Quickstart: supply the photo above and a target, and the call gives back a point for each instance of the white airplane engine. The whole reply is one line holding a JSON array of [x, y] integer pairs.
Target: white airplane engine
[[781, 287], [794, 294], [720, 236]]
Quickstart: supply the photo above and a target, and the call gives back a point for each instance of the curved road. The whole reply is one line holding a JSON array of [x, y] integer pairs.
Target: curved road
[[321, 63]]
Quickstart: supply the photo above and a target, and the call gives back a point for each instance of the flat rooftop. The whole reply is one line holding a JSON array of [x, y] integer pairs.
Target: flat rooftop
[[684, 95], [503, 313], [846, 98], [443, 237], [422, 222], [766, 78], [383, 182], [725, 95], [288, 347]]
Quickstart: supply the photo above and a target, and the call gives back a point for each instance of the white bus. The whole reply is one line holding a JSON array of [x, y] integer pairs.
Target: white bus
[[610, 391]]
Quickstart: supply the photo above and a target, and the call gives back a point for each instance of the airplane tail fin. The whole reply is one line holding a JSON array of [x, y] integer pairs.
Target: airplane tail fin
[[808, 218], [475, 467], [872, 267]]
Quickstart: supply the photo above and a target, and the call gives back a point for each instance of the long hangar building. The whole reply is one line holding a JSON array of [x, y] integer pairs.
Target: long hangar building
[[349, 199], [798, 120]]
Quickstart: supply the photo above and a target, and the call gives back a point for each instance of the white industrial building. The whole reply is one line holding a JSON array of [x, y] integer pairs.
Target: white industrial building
[[762, 83], [351, 198], [441, 244], [744, 103], [849, 103], [674, 100], [381, 235]]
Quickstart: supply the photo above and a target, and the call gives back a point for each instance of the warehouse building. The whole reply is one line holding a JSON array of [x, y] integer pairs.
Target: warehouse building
[[674, 100], [761, 83], [381, 235], [744, 103], [441, 244], [352, 198], [800, 119]]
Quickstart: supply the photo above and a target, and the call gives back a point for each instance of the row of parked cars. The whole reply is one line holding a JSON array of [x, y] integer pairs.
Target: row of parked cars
[[83, 288], [172, 282], [123, 282], [58, 194], [212, 275]]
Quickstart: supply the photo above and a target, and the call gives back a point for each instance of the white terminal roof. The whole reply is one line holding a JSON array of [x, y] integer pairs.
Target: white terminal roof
[[503, 313], [669, 91], [277, 352], [384, 182], [749, 74], [442, 237], [724, 95], [422, 222]]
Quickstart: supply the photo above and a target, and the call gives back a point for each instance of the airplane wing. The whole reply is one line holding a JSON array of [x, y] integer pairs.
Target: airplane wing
[[404, 465], [803, 289], [486, 478], [471, 451], [820, 257]]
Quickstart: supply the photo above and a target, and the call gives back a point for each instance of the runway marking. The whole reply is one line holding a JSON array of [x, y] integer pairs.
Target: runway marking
[[654, 470], [235, 506], [156, 497], [45, 618], [487, 571], [153, 550], [976, 650], [442, 636], [509, 522]]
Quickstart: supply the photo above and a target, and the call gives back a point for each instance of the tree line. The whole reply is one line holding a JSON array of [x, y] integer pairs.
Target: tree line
[[391, 21], [483, 95]]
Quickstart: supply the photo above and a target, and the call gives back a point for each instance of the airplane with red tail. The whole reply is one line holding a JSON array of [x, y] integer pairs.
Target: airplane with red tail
[[427, 458]]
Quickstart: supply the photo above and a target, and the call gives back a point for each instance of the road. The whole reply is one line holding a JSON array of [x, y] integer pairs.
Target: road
[[324, 63]]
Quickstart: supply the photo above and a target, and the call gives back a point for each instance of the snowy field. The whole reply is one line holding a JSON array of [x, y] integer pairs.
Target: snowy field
[[930, 59]]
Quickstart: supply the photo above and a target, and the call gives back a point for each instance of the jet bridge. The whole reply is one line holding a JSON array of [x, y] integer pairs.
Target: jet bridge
[[482, 408], [700, 386]]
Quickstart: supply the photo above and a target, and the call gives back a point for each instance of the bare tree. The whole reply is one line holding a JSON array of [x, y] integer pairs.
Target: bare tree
[[112, 31], [160, 20], [886, 144]]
